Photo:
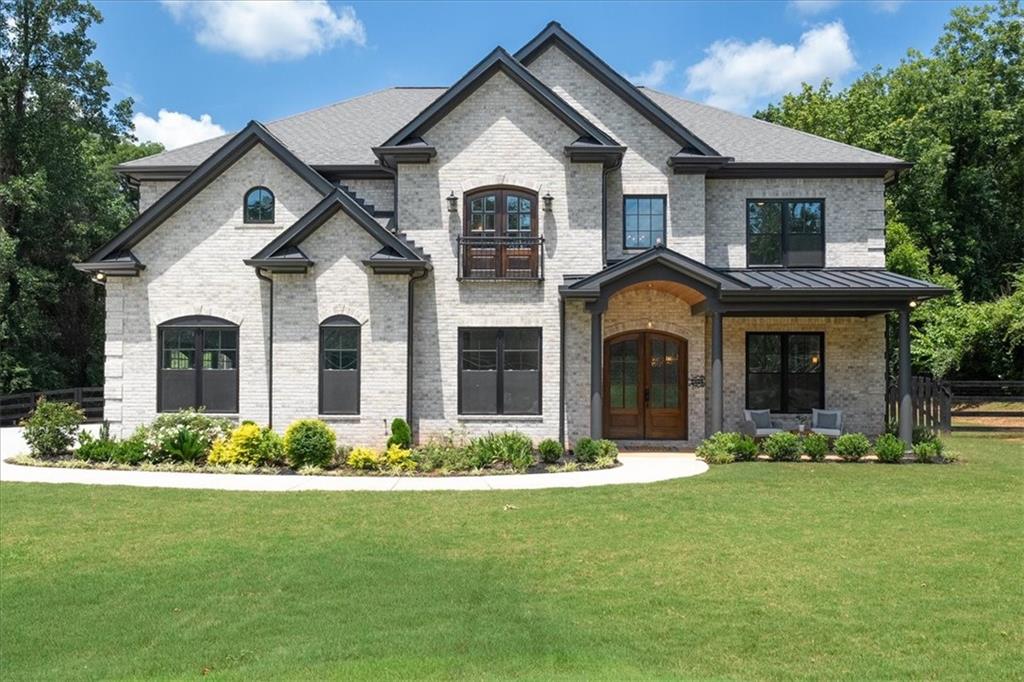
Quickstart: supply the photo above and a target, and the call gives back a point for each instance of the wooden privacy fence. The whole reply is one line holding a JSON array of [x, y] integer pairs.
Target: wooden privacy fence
[[937, 403], [16, 406]]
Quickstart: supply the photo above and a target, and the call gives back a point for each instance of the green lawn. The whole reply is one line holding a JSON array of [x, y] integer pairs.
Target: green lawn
[[755, 570]]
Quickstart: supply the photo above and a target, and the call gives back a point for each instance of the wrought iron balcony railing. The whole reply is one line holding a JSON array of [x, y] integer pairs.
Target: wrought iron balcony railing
[[505, 258]]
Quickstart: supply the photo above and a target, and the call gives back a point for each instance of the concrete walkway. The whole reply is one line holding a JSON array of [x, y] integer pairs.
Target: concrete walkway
[[636, 468]]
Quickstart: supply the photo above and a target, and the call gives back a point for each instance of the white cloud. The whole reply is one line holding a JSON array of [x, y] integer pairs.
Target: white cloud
[[736, 74], [269, 29], [812, 7], [655, 76], [887, 6], [173, 129]]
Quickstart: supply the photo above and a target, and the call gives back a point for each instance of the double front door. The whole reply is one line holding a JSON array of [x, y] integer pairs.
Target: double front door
[[645, 386]]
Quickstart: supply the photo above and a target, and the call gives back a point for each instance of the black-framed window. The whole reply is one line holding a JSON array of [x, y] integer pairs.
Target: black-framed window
[[198, 365], [643, 220], [500, 370], [339, 365], [259, 205], [786, 232], [785, 371]]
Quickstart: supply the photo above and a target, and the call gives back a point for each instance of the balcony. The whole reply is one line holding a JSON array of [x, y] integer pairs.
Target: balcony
[[501, 258]]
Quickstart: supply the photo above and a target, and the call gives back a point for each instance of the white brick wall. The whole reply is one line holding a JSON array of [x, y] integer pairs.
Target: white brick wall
[[151, 190], [645, 164], [854, 217], [380, 193]]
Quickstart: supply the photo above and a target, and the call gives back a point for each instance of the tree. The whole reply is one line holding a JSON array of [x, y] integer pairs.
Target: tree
[[60, 137], [958, 114]]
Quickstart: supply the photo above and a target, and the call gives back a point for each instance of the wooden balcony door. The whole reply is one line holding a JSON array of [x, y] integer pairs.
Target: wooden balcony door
[[645, 387], [500, 234]]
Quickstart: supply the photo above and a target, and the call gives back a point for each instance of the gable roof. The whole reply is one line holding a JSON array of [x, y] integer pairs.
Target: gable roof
[[284, 254], [338, 134], [254, 133], [497, 60], [750, 140], [554, 34]]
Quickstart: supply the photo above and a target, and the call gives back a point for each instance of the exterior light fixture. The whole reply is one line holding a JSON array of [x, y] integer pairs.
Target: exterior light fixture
[[547, 199], [913, 304], [100, 276], [453, 202], [815, 359], [650, 324]]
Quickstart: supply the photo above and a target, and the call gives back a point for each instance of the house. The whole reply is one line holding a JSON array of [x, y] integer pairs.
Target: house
[[541, 246]]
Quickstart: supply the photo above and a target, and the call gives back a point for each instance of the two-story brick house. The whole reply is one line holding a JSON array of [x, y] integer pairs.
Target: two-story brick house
[[541, 246]]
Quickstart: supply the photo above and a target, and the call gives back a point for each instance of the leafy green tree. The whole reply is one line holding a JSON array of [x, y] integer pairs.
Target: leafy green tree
[[60, 137]]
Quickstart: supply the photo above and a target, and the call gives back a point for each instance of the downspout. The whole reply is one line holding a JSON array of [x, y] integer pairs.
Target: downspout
[[409, 347], [561, 371], [604, 211], [270, 351]]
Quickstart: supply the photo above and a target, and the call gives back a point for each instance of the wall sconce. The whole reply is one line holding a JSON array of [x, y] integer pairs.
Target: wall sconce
[[913, 304], [453, 203], [815, 359], [547, 199]]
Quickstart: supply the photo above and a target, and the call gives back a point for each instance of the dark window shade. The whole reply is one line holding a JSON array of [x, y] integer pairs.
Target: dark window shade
[[785, 371], [339, 366], [786, 232], [500, 371], [198, 366]]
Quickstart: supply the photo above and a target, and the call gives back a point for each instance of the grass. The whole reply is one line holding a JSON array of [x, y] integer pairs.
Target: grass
[[753, 570]]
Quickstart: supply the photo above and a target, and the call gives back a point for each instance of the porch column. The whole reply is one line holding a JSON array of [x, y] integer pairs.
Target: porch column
[[596, 370], [717, 399], [906, 410]]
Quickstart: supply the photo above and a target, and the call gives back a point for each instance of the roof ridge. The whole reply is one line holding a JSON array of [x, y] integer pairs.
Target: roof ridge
[[765, 123]]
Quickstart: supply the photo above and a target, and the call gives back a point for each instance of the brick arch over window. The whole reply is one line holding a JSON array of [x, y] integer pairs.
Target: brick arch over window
[[197, 364]]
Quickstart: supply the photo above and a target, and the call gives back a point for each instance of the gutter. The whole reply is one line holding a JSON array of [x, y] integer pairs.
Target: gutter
[[270, 351], [410, 297]]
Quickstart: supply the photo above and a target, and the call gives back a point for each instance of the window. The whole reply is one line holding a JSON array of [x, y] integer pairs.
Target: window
[[499, 371], [643, 221], [259, 205], [198, 365], [788, 232], [785, 372], [500, 235], [339, 365]]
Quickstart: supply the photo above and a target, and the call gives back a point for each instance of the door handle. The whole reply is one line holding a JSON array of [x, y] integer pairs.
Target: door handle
[[647, 396]]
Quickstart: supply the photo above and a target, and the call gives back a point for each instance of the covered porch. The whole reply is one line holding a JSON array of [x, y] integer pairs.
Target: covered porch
[[669, 344]]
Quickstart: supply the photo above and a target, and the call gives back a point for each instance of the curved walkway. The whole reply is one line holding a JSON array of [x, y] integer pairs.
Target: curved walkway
[[636, 468]]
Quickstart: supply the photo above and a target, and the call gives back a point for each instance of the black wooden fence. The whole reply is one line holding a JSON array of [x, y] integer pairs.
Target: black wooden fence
[[16, 406], [938, 404]]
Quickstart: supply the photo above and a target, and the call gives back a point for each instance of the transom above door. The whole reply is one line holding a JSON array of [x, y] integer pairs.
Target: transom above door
[[645, 386]]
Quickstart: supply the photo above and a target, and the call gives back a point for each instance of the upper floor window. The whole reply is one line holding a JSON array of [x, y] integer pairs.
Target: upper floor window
[[643, 219], [786, 232], [339, 365], [499, 239], [259, 205], [198, 364]]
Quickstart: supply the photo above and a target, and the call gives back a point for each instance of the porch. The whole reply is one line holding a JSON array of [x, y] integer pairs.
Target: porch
[[678, 349]]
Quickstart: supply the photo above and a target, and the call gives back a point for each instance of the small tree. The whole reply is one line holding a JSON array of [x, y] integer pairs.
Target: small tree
[[51, 428]]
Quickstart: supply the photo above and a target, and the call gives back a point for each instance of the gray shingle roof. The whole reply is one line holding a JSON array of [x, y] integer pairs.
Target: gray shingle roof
[[340, 134], [749, 140]]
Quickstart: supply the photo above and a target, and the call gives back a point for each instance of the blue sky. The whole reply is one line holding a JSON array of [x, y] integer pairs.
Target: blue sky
[[197, 69]]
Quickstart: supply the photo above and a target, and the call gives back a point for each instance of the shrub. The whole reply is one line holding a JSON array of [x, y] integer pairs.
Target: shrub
[[51, 428], [927, 451], [510, 448], [132, 451], [607, 448], [309, 442], [185, 445], [101, 448], [586, 450], [782, 446], [364, 458], [744, 448], [815, 446], [725, 448], [889, 448], [550, 450], [605, 462], [401, 434], [340, 457], [399, 458], [852, 446], [449, 452], [165, 425], [248, 445], [222, 452]]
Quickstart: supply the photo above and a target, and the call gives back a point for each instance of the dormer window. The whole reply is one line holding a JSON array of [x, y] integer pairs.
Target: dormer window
[[259, 205], [786, 232]]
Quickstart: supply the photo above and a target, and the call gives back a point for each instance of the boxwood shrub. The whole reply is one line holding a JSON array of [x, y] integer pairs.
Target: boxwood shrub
[[852, 446], [309, 442], [782, 446], [889, 449], [815, 446], [551, 450]]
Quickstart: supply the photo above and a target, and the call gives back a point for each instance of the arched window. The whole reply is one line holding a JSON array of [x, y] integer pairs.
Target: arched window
[[500, 234], [259, 205], [339, 365], [198, 365]]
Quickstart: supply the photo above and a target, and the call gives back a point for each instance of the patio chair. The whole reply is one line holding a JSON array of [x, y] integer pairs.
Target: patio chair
[[827, 422], [758, 423]]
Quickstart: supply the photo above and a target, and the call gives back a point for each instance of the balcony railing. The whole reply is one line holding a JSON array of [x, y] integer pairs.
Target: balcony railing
[[517, 258]]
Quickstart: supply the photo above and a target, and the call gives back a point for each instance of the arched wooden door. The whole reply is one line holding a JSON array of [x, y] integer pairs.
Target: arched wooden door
[[645, 386]]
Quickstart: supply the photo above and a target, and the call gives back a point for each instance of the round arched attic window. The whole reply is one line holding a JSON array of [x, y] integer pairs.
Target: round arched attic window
[[259, 205]]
